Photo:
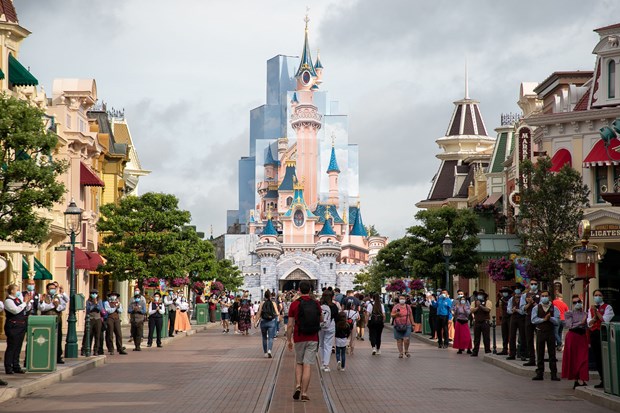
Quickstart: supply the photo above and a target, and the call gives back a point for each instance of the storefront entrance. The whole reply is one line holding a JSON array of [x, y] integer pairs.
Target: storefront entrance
[[609, 279], [291, 281]]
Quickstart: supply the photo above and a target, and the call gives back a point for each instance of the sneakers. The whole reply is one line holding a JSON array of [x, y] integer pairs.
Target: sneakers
[[374, 351], [266, 355], [342, 369], [269, 354], [339, 367], [378, 352], [326, 369]]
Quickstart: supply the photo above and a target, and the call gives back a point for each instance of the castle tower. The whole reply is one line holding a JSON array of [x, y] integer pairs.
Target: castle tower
[[333, 171], [327, 249], [13, 73], [306, 121], [269, 250], [286, 189]]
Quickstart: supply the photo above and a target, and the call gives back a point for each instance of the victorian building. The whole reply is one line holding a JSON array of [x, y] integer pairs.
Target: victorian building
[[299, 203]]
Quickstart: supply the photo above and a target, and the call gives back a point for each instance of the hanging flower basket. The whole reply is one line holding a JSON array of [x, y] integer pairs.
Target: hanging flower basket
[[179, 282], [150, 282], [216, 287], [396, 286], [501, 269], [198, 286], [416, 284]]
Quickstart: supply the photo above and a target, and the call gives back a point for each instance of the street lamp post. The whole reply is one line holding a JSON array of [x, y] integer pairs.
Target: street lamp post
[[446, 246], [73, 226]]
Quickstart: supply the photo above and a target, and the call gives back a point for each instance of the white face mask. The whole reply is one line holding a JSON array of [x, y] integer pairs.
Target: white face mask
[[156, 299], [402, 301]]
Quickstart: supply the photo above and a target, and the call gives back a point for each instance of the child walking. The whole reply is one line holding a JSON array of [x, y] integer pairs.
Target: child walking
[[343, 331]]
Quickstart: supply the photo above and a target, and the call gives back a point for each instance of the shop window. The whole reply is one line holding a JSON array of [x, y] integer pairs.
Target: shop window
[[611, 79], [289, 201], [601, 183]]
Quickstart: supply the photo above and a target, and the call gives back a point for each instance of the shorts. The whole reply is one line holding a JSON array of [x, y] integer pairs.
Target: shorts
[[305, 352], [225, 316], [400, 336]]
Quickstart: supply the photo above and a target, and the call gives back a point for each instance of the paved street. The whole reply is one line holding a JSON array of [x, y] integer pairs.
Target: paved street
[[212, 372]]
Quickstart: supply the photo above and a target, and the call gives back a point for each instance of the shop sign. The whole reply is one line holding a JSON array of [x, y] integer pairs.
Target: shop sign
[[515, 199], [525, 152], [606, 231]]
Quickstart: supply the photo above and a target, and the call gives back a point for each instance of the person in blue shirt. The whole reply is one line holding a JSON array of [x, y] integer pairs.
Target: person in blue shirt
[[444, 309], [544, 317]]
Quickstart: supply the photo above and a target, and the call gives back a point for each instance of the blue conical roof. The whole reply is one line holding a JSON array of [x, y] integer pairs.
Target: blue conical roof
[[306, 57], [333, 163], [294, 99], [289, 175], [269, 158], [270, 229], [327, 229], [358, 227], [317, 64]]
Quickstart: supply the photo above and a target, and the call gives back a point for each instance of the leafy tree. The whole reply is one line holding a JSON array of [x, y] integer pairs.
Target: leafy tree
[[370, 279], [229, 275], [144, 237], [28, 173], [372, 231], [551, 207], [424, 243]]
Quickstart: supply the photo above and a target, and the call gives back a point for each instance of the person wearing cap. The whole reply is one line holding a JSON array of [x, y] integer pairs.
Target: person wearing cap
[[505, 294], [481, 309], [156, 319], [93, 309], [137, 315], [517, 324], [114, 309]]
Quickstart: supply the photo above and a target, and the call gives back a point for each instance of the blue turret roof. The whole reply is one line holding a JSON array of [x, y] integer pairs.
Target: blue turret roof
[[294, 100], [306, 57], [358, 227], [318, 64], [327, 229], [322, 210], [269, 228], [298, 199], [289, 174], [269, 158], [333, 163]]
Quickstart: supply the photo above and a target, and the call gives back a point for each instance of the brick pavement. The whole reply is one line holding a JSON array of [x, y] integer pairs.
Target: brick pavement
[[207, 371], [436, 380]]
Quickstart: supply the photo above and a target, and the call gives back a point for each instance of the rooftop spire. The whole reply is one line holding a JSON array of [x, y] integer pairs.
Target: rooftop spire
[[466, 81], [333, 163], [306, 56]]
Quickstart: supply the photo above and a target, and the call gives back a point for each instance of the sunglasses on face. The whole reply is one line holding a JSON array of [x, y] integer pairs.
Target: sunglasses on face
[[533, 284], [577, 302]]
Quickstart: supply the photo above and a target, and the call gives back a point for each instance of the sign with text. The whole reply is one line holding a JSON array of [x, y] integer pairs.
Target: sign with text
[[606, 231], [524, 145]]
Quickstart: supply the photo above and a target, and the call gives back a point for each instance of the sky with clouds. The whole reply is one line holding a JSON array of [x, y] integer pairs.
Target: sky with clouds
[[187, 73]]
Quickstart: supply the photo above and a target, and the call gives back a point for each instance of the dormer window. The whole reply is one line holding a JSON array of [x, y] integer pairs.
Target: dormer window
[[611, 79]]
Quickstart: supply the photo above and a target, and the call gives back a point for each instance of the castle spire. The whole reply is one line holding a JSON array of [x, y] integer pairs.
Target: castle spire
[[306, 56], [333, 162], [466, 81]]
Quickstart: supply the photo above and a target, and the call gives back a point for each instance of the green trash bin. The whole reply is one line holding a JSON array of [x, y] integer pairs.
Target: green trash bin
[[164, 326], [606, 356], [614, 351], [41, 345], [426, 325], [202, 313], [218, 313]]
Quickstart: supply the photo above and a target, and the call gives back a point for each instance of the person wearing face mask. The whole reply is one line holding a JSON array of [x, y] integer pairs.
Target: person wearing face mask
[[170, 301], [114, 309], [462, 335], [502, 305], [575, 356], [481, 309], [517, 324], [600, 312], [137, 315], [53, 304], [444, 307], [35, 297], [544, 317], [93, 309], [182, 321], [136, 291], [528, 301], [16, 308], [403, 321], [156, 319]]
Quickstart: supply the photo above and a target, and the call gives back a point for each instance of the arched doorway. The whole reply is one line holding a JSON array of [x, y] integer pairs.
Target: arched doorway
[[292, 280], [609, 278]]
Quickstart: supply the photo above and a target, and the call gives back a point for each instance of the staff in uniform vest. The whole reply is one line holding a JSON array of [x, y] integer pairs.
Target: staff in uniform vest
[[64, 297], [481, 309], [16, 310], [2, 382], [170, 301], [94, 307], [53, 304], [599, 313], [528, 301], [137, 315], [156, 315], [517, 324], [35, 297], [114, 309], [545, 316], [502, 304]]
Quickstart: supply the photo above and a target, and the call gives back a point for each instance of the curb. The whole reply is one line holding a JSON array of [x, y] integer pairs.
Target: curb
[[81, 365], [598, 397]]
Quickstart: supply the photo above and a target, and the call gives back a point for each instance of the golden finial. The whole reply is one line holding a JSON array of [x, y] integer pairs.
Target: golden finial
[[290, 162], [358, 204], [344, 213], [333, 139], [297, 184], [269, 212], [327, 215]]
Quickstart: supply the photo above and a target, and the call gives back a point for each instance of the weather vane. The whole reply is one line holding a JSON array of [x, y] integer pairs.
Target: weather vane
[[307, 19]]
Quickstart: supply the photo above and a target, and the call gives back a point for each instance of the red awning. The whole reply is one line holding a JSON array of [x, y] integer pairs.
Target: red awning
[[599, 155], [561, 158], [88, 177], [81, 259], [493, 198], [94, 260]]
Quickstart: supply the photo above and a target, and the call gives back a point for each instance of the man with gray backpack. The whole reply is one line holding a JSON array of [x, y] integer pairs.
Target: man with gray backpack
[[303, 332]]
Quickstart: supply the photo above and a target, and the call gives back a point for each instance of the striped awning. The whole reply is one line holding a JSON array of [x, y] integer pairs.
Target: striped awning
[[601, 156]]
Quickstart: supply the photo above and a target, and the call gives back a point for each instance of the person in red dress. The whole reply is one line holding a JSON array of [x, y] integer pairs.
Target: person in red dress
[[575, 356]]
